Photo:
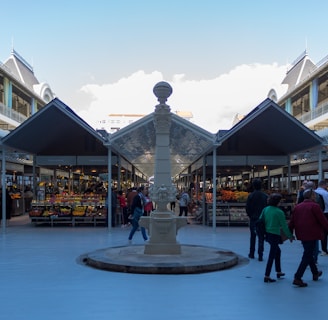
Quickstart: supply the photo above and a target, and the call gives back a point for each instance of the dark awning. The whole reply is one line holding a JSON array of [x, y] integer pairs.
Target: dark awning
[[56, 130], [267, 130]]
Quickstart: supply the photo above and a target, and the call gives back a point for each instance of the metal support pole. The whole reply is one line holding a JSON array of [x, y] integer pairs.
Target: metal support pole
[[3, 184], [214, 190], [109, 189], [204, 188]]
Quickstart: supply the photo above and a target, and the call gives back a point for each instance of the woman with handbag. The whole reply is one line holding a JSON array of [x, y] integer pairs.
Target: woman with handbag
[[275, 221]]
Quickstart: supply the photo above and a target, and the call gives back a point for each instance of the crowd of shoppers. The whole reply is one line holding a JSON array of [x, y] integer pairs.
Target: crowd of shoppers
[[308, 223]]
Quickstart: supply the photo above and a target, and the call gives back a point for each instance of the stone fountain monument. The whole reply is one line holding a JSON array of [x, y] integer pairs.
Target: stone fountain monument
[[162, 254], [162, 223]]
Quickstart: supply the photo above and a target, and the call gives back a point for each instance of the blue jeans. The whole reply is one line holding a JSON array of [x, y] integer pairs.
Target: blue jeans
[[135, 224], [307, 259], [274, 254], [252, 230]]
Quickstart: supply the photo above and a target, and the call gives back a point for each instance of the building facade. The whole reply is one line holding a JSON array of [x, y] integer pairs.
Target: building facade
[[304, 94], [21, 95]]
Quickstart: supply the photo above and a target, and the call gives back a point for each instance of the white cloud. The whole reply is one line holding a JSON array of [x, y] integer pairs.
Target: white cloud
[[213, 102]]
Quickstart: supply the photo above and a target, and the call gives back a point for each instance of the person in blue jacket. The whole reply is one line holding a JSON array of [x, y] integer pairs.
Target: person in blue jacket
[[137, 210]]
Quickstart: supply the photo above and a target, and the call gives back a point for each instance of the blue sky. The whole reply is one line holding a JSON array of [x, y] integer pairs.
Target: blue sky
[[221, 57]]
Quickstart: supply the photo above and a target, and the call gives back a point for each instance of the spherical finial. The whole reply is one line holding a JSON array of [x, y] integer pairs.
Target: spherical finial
[[162, 91]]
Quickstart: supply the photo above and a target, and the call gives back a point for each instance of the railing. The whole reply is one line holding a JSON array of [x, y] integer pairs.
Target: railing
[[12, 114], [319, 111]]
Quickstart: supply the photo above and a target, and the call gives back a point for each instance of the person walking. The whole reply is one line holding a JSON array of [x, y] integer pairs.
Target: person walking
[[318, 198], [132, 192], [309, 224], [275, 221], [172, 206], [255, 203], [184, 200], [123, 208], [148, 207], [299, 197], [322, 200], [137, 209]]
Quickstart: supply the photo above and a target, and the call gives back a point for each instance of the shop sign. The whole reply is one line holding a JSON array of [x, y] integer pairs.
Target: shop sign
[[14, 167]]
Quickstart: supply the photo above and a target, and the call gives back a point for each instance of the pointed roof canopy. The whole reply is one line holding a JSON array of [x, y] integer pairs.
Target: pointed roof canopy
[[267, 130], [56, 130]]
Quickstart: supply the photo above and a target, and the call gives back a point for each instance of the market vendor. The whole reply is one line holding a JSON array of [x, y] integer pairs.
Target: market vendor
[[28, 197]]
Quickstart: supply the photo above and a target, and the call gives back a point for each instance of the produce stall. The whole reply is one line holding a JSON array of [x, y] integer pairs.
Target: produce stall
[[231, 208], [72, 213]]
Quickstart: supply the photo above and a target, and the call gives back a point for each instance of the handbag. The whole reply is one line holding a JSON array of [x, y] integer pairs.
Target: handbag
[[283, 236]]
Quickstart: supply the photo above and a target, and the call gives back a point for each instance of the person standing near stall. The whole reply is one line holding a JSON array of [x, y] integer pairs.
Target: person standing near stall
[[123, 209], [184, 201], [255, 203], [322, 200]]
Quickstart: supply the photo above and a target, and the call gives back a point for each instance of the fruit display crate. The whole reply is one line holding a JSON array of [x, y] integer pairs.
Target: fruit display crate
[[229, 213], [45, 214], [70, 221]]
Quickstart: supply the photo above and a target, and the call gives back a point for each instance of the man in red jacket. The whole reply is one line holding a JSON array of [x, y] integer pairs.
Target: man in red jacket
[[310, 225]]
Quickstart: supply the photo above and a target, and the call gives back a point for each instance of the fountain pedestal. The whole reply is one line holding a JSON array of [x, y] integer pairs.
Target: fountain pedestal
[[163, 228]]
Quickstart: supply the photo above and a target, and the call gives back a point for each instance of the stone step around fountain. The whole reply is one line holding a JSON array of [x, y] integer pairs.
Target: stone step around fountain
[[131, 259]]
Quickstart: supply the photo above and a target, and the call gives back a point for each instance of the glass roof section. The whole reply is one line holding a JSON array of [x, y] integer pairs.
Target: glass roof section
[[137, 142]]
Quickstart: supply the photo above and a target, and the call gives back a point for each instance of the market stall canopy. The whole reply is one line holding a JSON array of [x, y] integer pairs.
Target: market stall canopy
[[267, 131], [56, 130]]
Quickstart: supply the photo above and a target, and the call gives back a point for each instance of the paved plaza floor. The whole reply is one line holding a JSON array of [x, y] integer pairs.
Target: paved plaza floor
[[42, 278]]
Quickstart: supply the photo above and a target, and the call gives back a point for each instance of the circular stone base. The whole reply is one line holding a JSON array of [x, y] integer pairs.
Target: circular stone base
[[131, 259]]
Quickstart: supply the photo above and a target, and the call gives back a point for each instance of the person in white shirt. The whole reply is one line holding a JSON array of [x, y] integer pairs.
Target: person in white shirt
[[322, 199], [184, 200]]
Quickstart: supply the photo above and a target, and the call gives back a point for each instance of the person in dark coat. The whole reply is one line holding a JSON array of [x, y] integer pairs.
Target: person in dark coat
[[256, 202], [309, 224]]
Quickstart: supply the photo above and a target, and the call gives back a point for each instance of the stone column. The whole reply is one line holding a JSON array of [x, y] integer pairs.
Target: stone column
[[162, 223]]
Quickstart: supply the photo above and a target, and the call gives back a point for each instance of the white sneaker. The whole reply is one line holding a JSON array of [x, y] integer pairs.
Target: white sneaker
[[129, 242], [323, 253]]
